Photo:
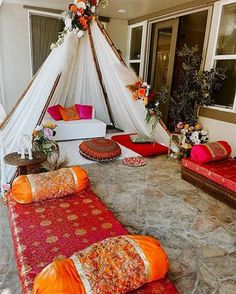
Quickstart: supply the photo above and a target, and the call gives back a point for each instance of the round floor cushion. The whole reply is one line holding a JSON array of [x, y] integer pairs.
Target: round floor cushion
[[100, 149]]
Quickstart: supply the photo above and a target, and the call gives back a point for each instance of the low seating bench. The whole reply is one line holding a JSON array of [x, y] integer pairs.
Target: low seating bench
[[60, 227], [78, 129], [216, 178]]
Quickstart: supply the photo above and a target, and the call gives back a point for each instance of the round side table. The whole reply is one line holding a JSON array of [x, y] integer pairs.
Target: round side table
[[23, 164]]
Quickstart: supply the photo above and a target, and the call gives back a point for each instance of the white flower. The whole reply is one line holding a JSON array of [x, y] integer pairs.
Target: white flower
[[148, 86], [204, 132], [39, 128], [145, 84], [80, 34], [68, 22], [93, 9], [157, 104], [80, 4]]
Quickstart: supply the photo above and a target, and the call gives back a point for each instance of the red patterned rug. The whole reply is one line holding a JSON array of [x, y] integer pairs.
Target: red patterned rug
[[144, 149], [58, 228]]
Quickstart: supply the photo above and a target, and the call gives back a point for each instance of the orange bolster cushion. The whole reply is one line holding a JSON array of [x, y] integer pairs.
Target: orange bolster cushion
[[49, 185], [120, 264]]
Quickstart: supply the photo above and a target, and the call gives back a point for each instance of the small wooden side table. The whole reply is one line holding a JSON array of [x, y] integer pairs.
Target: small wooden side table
[[23, 164]]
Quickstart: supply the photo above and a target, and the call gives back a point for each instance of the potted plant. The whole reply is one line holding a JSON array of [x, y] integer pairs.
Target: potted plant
[[196, 88]]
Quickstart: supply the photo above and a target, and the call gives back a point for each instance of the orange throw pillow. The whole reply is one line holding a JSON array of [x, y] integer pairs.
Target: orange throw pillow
[[69, 113]]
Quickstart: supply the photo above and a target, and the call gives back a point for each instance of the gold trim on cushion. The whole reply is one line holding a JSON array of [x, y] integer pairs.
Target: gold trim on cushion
[[79, 269], [76, 182], [141, 254], [216, 149]]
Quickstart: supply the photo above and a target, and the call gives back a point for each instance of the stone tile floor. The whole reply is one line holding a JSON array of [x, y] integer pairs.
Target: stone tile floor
[[197, 231]]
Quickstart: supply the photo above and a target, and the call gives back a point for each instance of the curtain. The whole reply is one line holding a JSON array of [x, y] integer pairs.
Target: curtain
[[44, 32]]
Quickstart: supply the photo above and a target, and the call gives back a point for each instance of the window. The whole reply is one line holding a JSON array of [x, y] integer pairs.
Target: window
[[225, 52], [137, 34], [44, 32]]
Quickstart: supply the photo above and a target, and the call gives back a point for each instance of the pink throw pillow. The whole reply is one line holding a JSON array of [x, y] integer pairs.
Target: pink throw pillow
[[54, 111], [213, 151], [84, 111]]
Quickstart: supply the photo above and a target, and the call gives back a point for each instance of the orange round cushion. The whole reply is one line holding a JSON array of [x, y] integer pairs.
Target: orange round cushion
[[115, 265], [100, 149], [49, 185]]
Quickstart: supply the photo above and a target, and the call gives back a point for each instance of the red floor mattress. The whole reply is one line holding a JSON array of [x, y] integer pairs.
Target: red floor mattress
[[222, 172], [58, 228]]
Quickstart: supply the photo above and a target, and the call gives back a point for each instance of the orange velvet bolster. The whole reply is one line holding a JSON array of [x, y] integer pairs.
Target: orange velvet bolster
[[50, 185], [59, 277], [155, 254], [65, 276]]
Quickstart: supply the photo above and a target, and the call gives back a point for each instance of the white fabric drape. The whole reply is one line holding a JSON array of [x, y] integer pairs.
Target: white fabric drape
[[2, 112], [129, 115], [79, 83]]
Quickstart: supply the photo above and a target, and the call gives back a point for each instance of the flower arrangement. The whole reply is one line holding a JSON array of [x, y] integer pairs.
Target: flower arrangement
[[192, 134], [5, 191], [78, 17], [141, 90], [43, 139]]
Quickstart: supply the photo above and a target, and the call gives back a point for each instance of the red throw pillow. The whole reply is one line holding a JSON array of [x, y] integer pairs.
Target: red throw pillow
[[214, 151], [84, 111], [54, 111]]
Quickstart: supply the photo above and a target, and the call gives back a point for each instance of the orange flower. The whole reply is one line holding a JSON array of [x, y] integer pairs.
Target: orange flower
[[141, 92], [74, 8], [83, 21], [135, 95]]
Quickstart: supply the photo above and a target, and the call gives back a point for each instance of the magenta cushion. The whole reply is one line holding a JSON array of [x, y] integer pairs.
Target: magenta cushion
[[84, 111], [55, 112], [213, 151]]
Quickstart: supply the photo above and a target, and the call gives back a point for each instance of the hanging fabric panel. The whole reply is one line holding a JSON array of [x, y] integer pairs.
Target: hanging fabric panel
[[129, 114]]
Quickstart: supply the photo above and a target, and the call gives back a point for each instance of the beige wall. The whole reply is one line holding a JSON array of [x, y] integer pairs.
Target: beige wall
[[14, 48], [118, 30], [219, 130]]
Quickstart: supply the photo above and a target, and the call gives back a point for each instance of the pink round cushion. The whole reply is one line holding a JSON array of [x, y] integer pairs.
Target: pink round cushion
[[214, 151], [100, 149]]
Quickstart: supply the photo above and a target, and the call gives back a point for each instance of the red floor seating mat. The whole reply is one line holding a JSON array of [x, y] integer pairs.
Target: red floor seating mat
[[144, 149], [221, 172], [60, 227]]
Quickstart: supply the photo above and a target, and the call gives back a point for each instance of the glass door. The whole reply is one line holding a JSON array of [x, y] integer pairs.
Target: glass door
[[161, 58]]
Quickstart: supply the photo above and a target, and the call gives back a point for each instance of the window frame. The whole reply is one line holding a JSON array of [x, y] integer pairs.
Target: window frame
[[140, 61], [43, 14], [212, 57]]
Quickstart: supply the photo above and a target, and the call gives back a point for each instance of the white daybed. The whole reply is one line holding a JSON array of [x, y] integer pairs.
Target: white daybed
[[77, 129]]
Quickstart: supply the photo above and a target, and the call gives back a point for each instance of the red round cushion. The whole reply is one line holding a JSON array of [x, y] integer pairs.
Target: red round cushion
[[213, 151], [100, 149]]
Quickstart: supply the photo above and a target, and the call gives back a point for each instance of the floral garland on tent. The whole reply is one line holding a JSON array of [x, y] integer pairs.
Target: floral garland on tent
[[78, 17], [141, 90]]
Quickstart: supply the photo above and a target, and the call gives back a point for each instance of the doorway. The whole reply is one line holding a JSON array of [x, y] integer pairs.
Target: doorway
[[166, 39]]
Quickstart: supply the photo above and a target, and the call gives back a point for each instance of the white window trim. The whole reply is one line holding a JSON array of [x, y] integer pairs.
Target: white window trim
[[41, 13], [143, 46], [211, 56]]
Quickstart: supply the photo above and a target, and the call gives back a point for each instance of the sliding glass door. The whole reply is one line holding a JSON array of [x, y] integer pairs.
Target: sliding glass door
[[162, 54]]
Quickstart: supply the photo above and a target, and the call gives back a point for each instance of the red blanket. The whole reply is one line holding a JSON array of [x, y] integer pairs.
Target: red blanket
[[144, 149], [58, 228]]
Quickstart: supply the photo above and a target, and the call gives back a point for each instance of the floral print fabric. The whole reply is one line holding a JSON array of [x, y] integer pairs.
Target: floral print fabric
[[114, 265]]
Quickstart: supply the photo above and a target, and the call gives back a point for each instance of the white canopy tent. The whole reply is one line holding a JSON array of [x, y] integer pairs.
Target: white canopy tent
[[85, 70]]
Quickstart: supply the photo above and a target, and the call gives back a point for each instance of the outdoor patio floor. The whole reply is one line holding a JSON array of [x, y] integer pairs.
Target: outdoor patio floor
[[197, 231]]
